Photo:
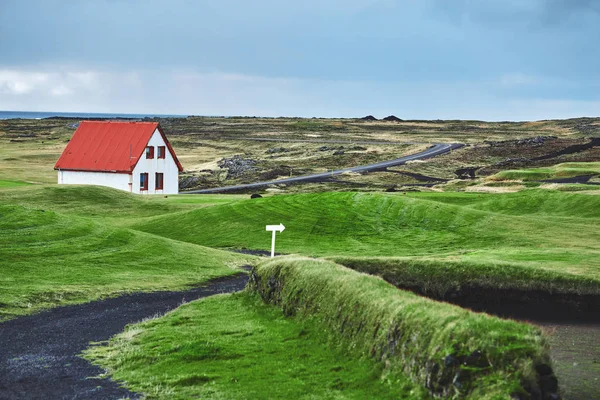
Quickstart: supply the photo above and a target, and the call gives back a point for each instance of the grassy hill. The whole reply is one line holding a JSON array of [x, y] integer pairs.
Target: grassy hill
[[47, 258], [500, 228], [107, 204], [62, 244]]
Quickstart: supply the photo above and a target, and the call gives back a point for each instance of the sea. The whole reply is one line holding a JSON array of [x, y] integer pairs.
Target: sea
[[48, 114]]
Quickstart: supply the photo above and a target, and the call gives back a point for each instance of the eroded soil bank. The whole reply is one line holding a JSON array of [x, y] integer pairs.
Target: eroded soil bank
[[570, 322]]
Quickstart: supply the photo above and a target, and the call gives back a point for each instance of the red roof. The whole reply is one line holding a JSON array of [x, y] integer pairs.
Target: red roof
[[109, 146]]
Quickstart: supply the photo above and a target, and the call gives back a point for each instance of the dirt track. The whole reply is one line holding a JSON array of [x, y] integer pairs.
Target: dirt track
[[39, 353]]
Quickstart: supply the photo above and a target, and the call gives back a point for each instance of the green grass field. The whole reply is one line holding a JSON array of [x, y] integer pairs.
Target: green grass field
[[61, 245], [11, 183], [49, 258], [237, 347], [67, 244], [553, 232]]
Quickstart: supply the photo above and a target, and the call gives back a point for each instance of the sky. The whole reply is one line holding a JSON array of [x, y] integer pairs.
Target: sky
[[416, 59]]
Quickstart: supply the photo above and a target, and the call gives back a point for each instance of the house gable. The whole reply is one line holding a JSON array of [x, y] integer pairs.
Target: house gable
[[170, 148], [168, 166], [107, 146]]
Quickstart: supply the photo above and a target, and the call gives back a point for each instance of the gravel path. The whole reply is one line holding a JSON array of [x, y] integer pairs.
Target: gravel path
[[39, 353], [575, 352]]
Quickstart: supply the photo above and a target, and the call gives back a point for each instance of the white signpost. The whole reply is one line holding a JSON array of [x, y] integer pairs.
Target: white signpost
[[274, 228]]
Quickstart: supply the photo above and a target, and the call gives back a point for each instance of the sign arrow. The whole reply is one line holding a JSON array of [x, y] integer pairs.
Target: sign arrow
[[274, 228], [278, 228]]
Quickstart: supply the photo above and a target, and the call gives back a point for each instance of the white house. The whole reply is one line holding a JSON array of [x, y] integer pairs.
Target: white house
[[131, 156]]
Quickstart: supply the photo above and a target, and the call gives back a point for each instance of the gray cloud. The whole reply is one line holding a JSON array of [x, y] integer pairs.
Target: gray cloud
[[350, 47]]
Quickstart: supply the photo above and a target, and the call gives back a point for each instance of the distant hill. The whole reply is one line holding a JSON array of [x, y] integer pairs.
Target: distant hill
[[392, 118]]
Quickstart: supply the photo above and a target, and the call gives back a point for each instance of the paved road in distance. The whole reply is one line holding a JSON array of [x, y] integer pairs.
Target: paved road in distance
[[433, 151]]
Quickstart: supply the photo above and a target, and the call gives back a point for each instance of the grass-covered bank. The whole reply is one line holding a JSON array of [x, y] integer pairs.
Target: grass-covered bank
[[49, 259], [504, 289], [237, 347], [449, 350], [440, 278], [558, 171]]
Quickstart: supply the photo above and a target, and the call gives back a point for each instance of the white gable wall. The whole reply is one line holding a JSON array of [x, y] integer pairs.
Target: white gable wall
[[167, 166], [110, 179], [131, 182]]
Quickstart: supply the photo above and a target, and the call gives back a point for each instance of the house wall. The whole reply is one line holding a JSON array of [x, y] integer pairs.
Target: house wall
[[167, 166], [131, 182], [110, 179]]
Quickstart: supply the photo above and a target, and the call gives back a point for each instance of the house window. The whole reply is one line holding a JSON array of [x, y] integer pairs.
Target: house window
[[161, 152], [159, 181], [144, 181], [150, 152]]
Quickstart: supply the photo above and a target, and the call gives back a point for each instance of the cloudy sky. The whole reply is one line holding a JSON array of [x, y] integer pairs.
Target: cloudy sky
[[475, 59]]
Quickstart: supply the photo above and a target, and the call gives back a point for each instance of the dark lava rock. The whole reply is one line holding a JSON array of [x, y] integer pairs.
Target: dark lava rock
[[277, 150], [512, 161], [450, 360], [475, 359], [237, 165], [460, 379], [466, 173], [543, 369], [369, 118], [549, 384], [552, 396], [188, 182], [536, 141], [392, 118], [329, 148], [255, 196]]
